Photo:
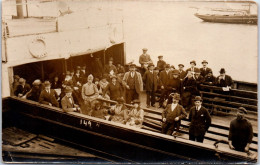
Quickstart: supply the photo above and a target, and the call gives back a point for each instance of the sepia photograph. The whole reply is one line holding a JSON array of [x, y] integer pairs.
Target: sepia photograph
[[129, 81]]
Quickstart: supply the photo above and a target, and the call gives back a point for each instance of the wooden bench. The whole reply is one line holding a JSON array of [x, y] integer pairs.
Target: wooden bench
[[231, 104], [231, 98], [232, 92]]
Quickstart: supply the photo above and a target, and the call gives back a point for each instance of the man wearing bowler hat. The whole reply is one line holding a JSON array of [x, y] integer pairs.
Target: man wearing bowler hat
[[133, 83], [182, 72], [150, 80], [164, 79], [192, 68], [200, 121], [224, 80], [204, 70], [240, 132], [48, 96], [161, 63], [172, 116], [67, 102]]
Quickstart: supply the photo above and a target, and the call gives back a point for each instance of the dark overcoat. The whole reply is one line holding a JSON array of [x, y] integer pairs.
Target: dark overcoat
[[200, 121]]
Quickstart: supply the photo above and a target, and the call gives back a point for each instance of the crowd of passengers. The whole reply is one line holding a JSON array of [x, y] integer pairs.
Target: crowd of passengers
[[179, 93]]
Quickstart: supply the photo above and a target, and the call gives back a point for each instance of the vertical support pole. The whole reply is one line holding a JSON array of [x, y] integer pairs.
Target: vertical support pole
[[42, 71], [26, 9], [19, 9]]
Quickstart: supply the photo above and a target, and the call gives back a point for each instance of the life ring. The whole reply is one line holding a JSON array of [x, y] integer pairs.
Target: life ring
[[37, 47]]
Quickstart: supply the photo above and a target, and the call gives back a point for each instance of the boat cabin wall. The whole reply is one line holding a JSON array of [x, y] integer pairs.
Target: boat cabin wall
[[47, 70]]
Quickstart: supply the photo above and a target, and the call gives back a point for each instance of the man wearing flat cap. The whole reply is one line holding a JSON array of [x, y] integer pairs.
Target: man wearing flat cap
[[164, 79], [240, 132], [161, 63], [48, 96], [182, 72], [204, 70], [172, 116], [200, 121], [67, 102], [150, 79], [224, 80], [133, 83], [89, 93], [145, 60], [192, 68]]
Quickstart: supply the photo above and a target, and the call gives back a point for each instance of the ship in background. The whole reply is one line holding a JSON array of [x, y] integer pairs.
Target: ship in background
[[237, 16]]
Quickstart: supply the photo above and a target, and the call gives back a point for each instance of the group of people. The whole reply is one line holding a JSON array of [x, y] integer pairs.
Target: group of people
[[79, 92], [166, 79]]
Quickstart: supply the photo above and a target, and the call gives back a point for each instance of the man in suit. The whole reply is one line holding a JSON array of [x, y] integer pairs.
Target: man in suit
[[182, 72], [224, 80], [163, 83], [114, 89], [83, 71], [209, 79], [150, 80], [161, 63], [67, 102], [144, 60], [110, 68], [172, 116], [192, 68], [48, 96], [204, 70], [200, 121], [240, 132], [23, 88], [133, 83]]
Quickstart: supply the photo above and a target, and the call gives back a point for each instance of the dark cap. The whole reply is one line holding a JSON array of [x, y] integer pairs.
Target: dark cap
[[193, 61], [156, 68], [110, 59], [21, 80], [68, 89], [176, 96], [181, 65], [175, 71], [120, 100], [242, 109], [222, 70], [145, 49], [132, 66], [160, 56], [150, 65], [16, 77], [204, 61], [47, 83], [197, 98]]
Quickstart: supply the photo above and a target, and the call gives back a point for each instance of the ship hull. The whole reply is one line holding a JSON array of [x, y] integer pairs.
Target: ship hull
[[127, 143], [235, 19]]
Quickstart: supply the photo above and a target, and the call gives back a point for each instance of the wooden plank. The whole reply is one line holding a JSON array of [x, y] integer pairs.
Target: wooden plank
[[228, 96], [232, 103]]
